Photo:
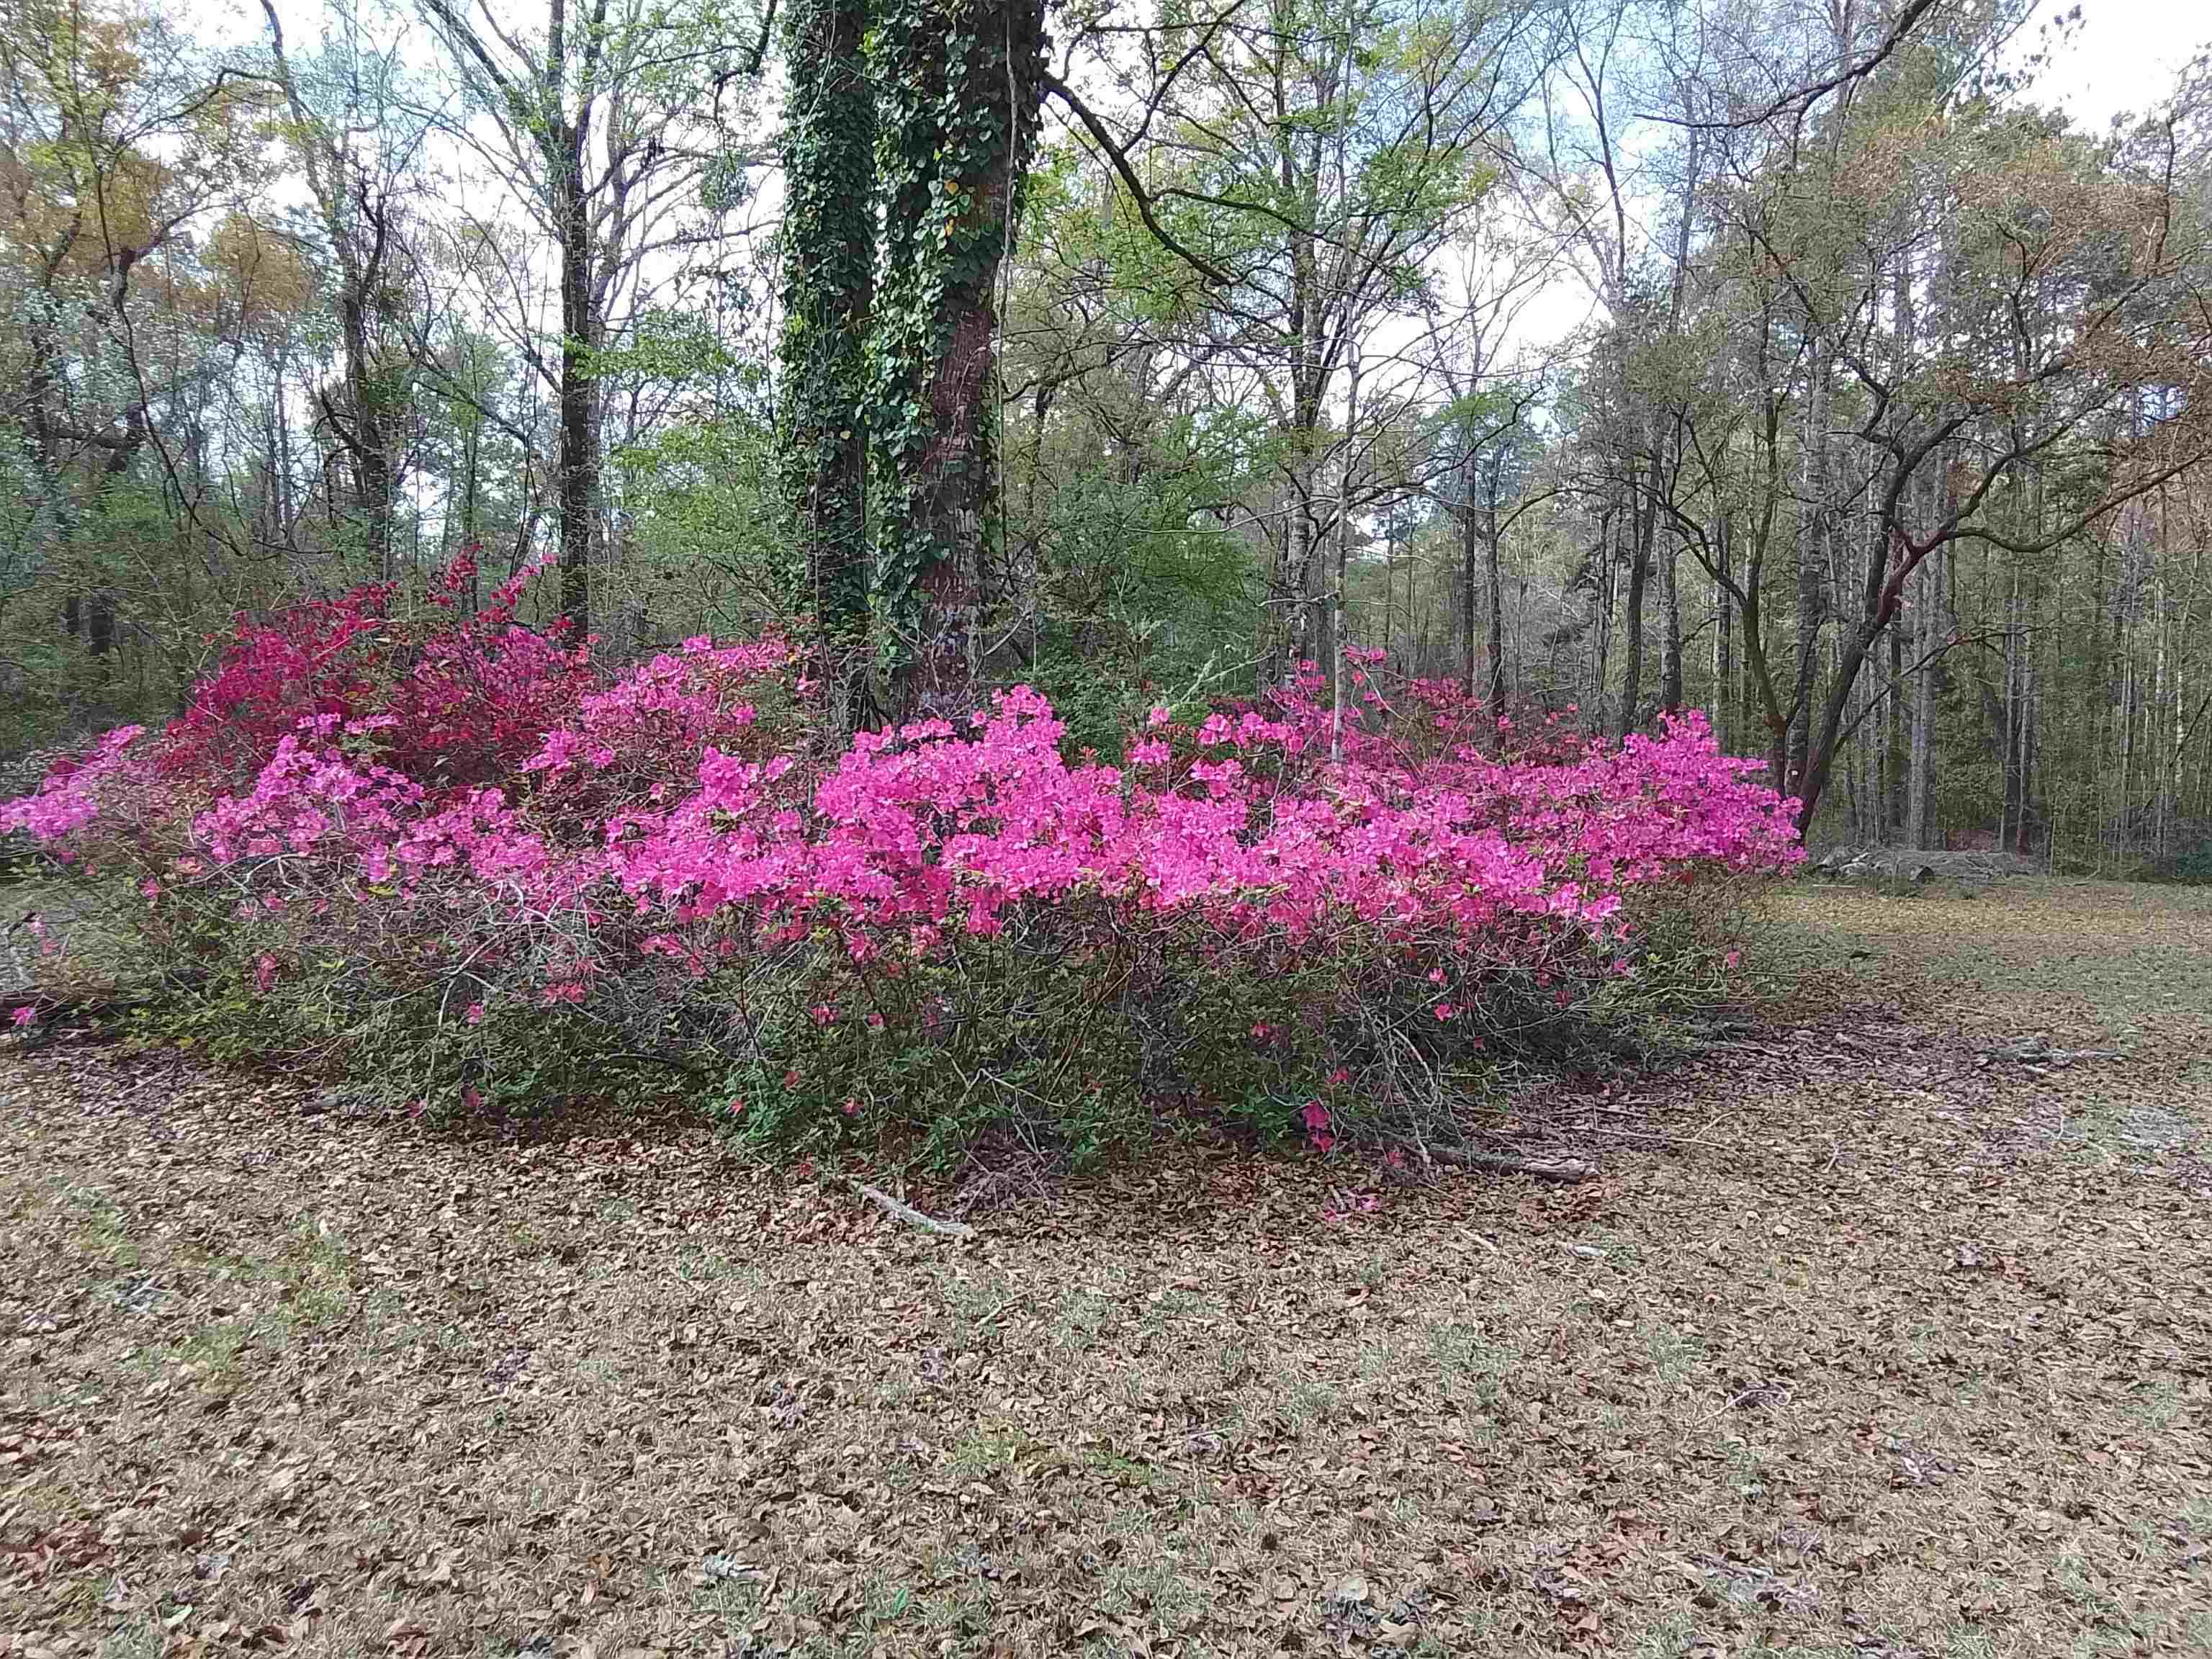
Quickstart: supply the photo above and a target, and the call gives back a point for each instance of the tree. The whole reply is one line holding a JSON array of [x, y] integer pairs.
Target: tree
[[828, 282], [358, 147], [1315, 162], [607, 127], [122, 141], [957, 94], [2063, 343]]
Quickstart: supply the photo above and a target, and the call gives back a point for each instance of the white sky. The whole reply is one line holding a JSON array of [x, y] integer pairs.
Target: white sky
[[2125, 55]]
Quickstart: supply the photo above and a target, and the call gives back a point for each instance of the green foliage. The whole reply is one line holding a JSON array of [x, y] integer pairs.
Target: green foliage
[[709, 544]]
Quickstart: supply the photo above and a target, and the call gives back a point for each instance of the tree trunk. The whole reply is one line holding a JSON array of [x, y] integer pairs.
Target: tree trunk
[[1920, 759], [1813, 560], [370, 438], [1470, 546], [1494, 575], [579, 465], [828, 281], [1643, 511], [1723, 703], [958, 116]]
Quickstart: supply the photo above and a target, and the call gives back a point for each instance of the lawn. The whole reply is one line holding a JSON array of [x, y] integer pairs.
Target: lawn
[[1887, 1329]]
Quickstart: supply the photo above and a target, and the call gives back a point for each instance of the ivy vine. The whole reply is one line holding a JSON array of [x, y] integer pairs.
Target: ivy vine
[[829, 277], [916, 119], [957, 86]]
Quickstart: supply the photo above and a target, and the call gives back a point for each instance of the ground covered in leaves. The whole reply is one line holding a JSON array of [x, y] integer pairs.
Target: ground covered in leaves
[[1886, 1330]]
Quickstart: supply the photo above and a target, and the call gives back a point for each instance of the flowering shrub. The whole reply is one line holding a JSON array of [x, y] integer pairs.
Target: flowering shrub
[[457, 854]]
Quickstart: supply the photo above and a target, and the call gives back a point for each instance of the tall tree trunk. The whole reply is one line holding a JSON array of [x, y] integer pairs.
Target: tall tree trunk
[[1494, 576], [1813, 556], [1643, 513], [957, 113], [1470, 569], [369, 437], [1921, 756], [579, 465], [1337, 666], [829, 283], [1670, 681], [1723, 703]]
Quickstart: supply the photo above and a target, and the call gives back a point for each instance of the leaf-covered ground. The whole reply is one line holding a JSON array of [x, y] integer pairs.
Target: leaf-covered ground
[[1887, 1331]]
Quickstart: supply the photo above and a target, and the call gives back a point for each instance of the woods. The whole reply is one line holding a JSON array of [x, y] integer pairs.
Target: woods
[[976, 826], [1802, 367]]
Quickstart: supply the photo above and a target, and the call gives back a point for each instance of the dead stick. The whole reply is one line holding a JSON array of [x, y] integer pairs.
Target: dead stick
[[1566, 1169], [911, 1216]]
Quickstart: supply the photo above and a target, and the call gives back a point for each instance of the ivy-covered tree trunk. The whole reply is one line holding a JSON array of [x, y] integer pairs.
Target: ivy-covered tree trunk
[[829, 280], [580, 426], [958, 85]]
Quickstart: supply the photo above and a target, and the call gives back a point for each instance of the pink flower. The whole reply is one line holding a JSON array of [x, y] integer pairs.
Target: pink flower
[[1445, 1011], [1315, 1116], [1732, 961], [25, 1016], [1158, 717], [475, 1015], [824, 1013]]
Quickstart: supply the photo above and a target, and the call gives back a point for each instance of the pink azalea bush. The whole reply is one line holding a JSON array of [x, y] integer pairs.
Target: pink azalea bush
[[452, 851]]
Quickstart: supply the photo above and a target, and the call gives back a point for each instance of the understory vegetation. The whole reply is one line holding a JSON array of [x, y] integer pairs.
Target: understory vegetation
[[447, 856]]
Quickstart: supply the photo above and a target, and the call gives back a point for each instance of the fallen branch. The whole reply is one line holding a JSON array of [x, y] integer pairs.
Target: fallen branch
[[2035, 1052], [908, 1214], [1565, 1169]]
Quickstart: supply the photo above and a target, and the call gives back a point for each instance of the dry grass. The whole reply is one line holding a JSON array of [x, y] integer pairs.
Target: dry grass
[[1874, 1337]]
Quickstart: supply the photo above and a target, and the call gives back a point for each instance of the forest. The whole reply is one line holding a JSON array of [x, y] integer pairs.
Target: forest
[[964, 827], [1604, 360]]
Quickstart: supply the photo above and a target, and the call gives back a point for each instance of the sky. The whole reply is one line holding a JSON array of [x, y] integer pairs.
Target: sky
[[2126, 55]]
